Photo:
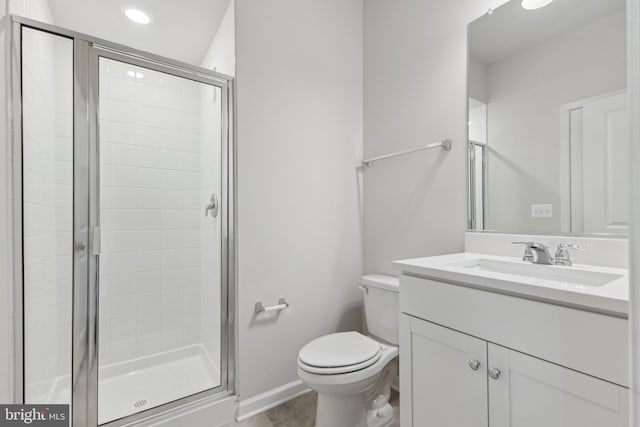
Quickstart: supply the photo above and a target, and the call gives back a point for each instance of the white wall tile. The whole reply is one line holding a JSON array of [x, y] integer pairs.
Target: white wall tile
[[149, 282], [47, 155], [151, 200], [121, 89], [123, 154]]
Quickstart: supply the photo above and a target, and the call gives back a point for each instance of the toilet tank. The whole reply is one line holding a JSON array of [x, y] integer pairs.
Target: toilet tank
[[381, 306]]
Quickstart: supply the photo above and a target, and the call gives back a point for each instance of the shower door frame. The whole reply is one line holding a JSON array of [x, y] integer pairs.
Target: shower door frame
[[87, 51]]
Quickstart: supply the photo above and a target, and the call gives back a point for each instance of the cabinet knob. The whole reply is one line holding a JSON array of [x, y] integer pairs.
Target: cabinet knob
[[474, 364], [494, 373]]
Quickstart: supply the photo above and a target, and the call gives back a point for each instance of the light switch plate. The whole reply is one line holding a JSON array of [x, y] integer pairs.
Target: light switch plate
[[542, 211]]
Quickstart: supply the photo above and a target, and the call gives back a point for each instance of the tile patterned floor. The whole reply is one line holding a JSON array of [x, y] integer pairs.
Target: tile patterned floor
[[300, 412]]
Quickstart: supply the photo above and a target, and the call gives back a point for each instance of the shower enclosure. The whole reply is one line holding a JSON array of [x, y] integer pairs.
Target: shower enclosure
[[124, 235]]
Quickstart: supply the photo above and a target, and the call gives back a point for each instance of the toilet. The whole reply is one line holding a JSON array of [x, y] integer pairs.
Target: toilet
[[352, 372]]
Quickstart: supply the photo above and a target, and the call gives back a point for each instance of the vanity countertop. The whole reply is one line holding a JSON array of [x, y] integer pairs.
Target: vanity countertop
[[586, 287]]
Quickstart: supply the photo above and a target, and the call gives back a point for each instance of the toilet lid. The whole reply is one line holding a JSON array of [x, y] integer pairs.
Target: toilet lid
[[344, 349]]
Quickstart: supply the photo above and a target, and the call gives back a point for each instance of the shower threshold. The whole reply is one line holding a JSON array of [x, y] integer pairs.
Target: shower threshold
[[129, 387]]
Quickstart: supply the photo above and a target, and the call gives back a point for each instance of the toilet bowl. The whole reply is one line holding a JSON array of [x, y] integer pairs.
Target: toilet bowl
[[352, 372]]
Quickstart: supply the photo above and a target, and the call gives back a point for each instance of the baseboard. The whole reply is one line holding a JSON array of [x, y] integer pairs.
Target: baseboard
[[270, 399]]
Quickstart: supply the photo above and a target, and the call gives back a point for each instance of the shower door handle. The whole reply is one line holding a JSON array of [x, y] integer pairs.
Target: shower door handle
[[213, 206]]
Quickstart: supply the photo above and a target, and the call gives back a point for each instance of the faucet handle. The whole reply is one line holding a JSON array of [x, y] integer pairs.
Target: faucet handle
[[562, 253], [571, 246], [528, 253]]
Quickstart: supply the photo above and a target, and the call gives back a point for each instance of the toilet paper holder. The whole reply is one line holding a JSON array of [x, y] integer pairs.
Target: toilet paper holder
[[282, 304]]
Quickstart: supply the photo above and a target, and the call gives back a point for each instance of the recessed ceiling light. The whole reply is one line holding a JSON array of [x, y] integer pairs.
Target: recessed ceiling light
[[136, 15], [535, 4], [135, 74]]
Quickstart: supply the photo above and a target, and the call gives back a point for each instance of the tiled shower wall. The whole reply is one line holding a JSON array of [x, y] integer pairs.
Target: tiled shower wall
[[153, 293], [210, 182], [47, 195]]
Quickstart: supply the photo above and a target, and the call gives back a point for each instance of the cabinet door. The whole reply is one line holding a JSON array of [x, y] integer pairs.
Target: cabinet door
[[529, 392], [443, 374]]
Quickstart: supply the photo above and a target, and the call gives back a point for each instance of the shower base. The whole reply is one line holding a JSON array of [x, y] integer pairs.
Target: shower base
[[136, 385]]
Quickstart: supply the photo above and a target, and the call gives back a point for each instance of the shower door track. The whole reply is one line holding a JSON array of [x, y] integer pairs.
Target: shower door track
[[86, 53]]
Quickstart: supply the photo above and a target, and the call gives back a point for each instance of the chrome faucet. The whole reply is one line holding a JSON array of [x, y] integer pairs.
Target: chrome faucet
[[543, 256], [562, 253], [541, 251]]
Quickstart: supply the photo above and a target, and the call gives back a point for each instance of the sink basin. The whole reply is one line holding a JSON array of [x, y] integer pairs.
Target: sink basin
[[551, 273], [591, 287]]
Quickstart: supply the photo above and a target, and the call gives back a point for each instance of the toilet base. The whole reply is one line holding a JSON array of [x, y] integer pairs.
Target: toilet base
[[351, 411], [368, 408], [382, 417]]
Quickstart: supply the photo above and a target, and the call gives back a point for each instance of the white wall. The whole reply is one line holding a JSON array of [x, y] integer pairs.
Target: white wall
[[478, 122], [221, 53], [477, 80], [39, 10], [524, 117], [299, 94], [415, 62]]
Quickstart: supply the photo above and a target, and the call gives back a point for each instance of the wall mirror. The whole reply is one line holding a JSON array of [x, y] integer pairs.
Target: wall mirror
[[548, 135]]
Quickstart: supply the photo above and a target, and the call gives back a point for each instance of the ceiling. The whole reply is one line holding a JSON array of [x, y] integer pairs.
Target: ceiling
[[180, 29], [512, 29]]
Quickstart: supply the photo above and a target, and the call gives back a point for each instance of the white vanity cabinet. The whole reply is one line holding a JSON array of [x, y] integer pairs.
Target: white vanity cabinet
[[529, 392], [444, 372], [472, 358]]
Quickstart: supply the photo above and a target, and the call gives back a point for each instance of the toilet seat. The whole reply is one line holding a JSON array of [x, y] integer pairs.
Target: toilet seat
[[339, 353]]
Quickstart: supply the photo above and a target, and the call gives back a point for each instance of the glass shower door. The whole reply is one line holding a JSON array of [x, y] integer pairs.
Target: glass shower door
[[162, 211], [46, 64]]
